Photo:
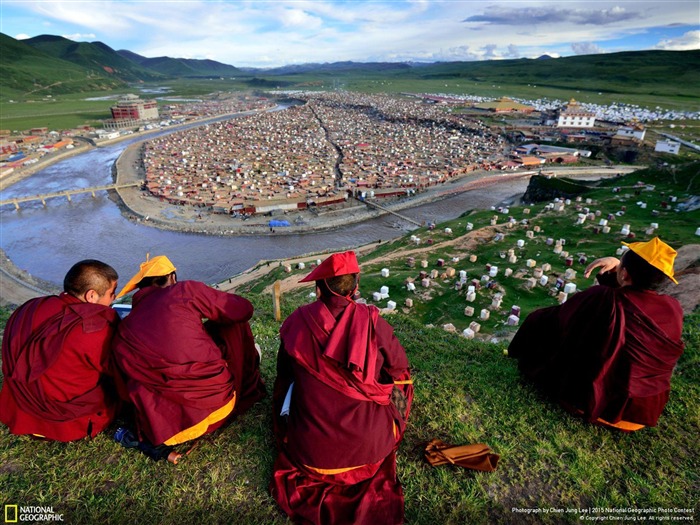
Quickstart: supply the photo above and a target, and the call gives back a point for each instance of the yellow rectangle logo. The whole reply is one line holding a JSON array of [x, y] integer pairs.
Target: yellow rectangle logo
[[9, 514]]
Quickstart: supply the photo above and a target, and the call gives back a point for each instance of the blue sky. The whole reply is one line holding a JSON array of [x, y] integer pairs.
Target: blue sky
[[273, 33]]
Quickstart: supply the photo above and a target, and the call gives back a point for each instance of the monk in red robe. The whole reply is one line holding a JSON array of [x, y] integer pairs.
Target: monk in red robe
[[185, 377], [341, 400], [608, 353], [56, 358]]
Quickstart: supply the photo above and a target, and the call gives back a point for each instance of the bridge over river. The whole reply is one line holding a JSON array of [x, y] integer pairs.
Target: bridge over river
[[67, 194]]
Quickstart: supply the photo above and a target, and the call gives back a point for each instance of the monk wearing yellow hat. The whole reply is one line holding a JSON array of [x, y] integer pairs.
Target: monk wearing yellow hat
[[183, 376], [608, 353], [342, 396]]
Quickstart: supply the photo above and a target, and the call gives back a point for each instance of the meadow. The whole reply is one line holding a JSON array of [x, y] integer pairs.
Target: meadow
[[553, 469]]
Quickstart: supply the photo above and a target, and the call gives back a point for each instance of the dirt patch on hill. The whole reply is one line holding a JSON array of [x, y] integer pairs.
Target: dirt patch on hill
[[462, 244]]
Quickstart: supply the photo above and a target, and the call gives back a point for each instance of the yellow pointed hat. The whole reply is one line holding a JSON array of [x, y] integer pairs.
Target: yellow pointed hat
[[657, 253], [159, 265]]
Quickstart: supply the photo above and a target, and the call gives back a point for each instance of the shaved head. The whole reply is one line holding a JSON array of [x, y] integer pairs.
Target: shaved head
[[87, 275]]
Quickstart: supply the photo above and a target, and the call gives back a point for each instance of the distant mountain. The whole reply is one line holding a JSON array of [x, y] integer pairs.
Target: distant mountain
[[333, 67], [53, 64], [182, 67], [544, 57], [130, 55], [93, 56]]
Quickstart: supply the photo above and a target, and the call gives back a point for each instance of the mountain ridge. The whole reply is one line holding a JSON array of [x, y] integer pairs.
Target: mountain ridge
[[85, 66]]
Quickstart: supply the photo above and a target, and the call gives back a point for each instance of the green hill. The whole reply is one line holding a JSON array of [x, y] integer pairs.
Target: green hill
[[666, 73], [25, 69], [189, 68], [95, 57]]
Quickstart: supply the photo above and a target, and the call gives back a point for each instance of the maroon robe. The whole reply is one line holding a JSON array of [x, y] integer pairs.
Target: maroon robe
[[343, 359], [607, 352], [56, 368], [177, 370]]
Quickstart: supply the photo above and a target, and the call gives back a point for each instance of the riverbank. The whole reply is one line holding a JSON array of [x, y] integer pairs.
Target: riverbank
[[18, 286], [46, 161]]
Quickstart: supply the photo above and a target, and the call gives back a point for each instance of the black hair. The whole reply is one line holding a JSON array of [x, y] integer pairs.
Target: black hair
[[342, 285], [643, 274], [157, 280], [89, 274]]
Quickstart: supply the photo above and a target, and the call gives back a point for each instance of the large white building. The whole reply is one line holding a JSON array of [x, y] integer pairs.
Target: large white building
[[668, 146], [575, 116], [631, 132]]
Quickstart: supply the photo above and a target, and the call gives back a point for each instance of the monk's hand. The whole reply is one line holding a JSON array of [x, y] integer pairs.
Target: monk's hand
[[400, 401], [605, 264]]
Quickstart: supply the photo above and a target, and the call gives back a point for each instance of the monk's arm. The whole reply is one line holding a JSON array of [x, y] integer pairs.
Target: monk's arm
[[606, 264], [285, 377], [396, 366], [217, 306]]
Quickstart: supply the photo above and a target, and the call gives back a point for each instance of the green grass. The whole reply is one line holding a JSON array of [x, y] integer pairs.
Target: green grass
[[57, 112], [465, 392]]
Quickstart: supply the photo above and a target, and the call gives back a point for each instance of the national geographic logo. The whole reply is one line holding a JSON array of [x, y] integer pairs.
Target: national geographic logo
[[15, 514]]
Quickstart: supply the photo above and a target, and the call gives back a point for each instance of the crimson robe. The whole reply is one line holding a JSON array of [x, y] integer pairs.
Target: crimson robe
[[57, 369], [607, 352], [177, 371], [343, 360]]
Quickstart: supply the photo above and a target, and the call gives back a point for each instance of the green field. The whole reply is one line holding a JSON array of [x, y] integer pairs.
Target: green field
[[66, 111], [56, 112]]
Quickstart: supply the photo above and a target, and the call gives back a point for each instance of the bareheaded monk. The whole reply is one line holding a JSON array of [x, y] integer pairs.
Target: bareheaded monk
[[56, 358], [341, 400], [608, 353], [183, 376]]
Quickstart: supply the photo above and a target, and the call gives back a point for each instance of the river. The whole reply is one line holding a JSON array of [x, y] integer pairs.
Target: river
[[46, 241]]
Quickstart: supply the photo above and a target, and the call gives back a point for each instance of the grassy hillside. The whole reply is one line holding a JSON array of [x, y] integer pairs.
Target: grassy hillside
[[667, 73], [441, 303], [465, 392], [185, 68], [95, 57], [29, 72]]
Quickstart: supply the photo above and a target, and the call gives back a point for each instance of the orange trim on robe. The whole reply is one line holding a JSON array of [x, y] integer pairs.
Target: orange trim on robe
[[335, 471], [332, 471], [200, 428], [625, 426]]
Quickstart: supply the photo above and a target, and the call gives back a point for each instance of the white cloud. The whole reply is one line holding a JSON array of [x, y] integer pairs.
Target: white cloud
[[105, 17], [586, 48], [22, 36], [80, 36], [299, 18], [685, 42], [524, 16]]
